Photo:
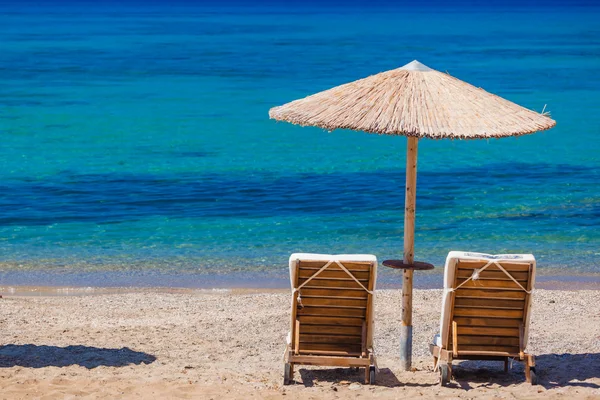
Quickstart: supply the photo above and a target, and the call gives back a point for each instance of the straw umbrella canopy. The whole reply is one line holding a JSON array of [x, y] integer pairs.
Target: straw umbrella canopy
[[418, 102]]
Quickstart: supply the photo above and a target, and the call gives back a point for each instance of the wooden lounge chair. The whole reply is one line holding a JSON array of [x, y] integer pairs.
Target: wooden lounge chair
[[485, 311], [332, 312]]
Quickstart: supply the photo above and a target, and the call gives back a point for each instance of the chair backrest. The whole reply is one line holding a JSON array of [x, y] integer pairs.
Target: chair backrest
[[332, 314], [489, 303]]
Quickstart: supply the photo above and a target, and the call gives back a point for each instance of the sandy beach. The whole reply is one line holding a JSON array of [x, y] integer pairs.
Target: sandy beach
[[229, 344]]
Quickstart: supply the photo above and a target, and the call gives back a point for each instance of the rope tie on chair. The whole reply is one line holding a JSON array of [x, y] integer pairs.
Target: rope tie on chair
[[475, 276], [323, 268]]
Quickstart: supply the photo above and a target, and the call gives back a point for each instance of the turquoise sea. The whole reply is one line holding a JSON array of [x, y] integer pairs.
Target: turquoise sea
[[136, 147]]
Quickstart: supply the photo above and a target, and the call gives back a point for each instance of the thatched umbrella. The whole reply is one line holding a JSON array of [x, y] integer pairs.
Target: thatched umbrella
[[418, 102]]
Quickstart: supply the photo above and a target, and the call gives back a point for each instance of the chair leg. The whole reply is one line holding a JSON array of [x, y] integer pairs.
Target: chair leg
[[445, 373], [530, 372], [288, 373], [367, 378], [506, 364]]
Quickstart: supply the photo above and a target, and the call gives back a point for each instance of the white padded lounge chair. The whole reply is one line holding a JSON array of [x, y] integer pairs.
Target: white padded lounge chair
[[485, 311], [332, 312]]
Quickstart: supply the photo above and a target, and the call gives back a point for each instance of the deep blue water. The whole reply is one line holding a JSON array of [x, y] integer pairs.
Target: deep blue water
[[135, 140]]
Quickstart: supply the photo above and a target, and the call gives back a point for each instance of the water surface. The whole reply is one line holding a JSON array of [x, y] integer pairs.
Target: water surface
[[136, 141]]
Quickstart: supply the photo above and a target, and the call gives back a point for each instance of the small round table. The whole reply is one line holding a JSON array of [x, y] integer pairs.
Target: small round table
[[415, 266]]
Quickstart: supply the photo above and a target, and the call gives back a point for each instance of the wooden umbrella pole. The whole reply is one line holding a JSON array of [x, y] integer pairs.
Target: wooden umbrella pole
[[410, 203]]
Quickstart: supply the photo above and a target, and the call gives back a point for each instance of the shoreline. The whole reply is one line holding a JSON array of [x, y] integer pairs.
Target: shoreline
[[66, 291], [241, 285]]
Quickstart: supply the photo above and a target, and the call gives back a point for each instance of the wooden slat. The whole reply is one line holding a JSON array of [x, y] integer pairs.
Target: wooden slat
[[345, 321], [497, 274], [342, 353], [330, 348], [332, 311], [333, 273], [489, 322], [296, 336], [491, 293], [508, 266], [483, 340], [521, 340], [369, 320], [330, 361], [487, 283], [475, 355], [478, 356], [489, 331], [363, 339], [487, 312], [331, 283], [323, 301], [330, 330], [350, 266], [494, 303], [343, 278], [324, 339], [454, 339], [484, 349], [358, 293]]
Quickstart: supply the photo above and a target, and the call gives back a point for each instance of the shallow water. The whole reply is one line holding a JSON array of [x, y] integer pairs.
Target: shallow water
[[136, 142]]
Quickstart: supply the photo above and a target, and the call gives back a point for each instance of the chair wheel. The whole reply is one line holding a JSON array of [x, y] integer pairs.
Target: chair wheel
[[372, 375], [287, 374], [444, 374], [533, 376]]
